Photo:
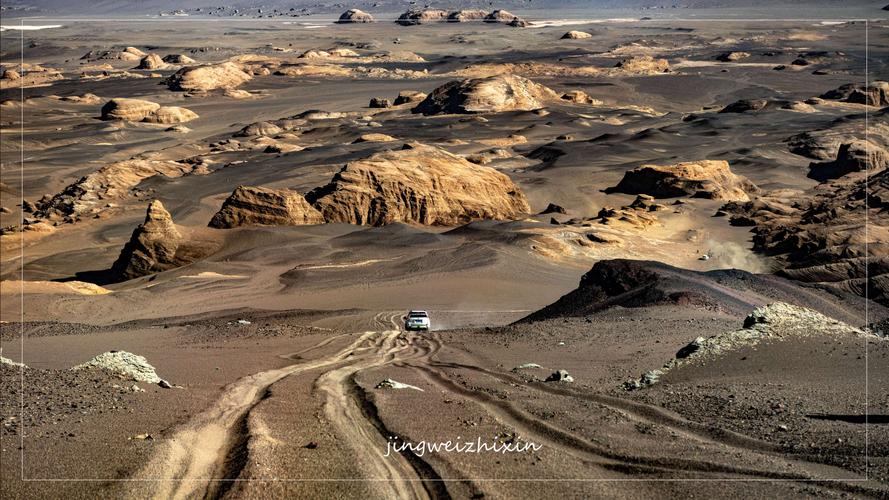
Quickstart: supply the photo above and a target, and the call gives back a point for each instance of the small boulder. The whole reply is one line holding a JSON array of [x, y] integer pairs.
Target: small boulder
[[560, 376], [379, 102], [576, 35]]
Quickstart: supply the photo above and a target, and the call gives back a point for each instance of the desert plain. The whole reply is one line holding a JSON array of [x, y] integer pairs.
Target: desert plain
[[654, 246]]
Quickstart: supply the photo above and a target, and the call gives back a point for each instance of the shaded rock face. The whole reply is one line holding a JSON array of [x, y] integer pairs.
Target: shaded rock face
[[419, 184], [576, 35], [639, 283], [855, 156], [412, 17], [745, 105], [837, 235], [702, 179], [248, 206], [875, 94], [501, 16], [355, 16], [152, 247], [409, 97], [128, 109], [486, 95], [151, 61], [225, 75], [178, 59]]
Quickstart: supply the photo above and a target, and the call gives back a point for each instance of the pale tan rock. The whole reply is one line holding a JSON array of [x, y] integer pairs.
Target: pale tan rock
[[122, 108], [711, 179], [248, 206], [227, 75], [486, 95], [576, 35], [152, 247], [419, 184], [170, 115], [355, 16]]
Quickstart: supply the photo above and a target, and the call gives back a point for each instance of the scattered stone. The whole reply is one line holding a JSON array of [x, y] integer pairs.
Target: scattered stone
[[409, 97], [552, 208], [560, 376], [392, 384], [528, 366], [164, 384], [378, 102], [373, 138], [774, 322]]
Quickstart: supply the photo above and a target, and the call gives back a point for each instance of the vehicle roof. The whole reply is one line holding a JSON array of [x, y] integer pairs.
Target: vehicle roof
[[416, 311]]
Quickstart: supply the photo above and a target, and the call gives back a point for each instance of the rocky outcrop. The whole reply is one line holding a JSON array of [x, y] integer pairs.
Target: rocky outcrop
[[503, 16], [259, 128], [409, 97], [639, 214], [580, 97], [875, 94], [418, 184], [643, 65], [227, 75], [423, 16], [712, 179], [249, 206], [576, 35], [486, 95], [355, 16], [133, 110], [774, 322], [379, 103], [171, 114], [92, 193], [745, 105], [466, 15], [151, 61], [836, 235], [152, 247], [178, 59], [855, 156], [732, 56], [138, 110]]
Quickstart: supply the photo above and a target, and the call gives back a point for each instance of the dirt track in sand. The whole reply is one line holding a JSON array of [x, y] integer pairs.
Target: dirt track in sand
[[206, 456]]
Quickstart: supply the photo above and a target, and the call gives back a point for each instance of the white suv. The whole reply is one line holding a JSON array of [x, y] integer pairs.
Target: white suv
[[416, 320]]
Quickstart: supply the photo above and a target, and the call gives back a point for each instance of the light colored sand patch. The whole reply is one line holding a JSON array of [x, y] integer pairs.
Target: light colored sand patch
[[51, 287], [216, 276], [340, 266]]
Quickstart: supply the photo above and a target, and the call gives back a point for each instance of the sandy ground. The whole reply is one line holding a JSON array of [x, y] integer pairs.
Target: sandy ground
[[288, 404]]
